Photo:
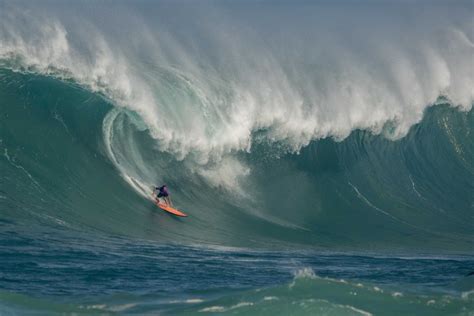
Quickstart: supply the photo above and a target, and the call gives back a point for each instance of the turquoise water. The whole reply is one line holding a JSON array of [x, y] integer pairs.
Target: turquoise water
[[317, 181]]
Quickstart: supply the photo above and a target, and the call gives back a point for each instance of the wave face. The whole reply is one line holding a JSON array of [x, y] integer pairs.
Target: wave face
[[66, 153], [215, 108]]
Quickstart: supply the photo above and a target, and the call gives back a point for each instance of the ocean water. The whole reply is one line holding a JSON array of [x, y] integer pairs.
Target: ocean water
[[323, 152]]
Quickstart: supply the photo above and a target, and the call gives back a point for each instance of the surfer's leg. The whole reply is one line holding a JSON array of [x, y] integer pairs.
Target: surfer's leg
[[158, 197]]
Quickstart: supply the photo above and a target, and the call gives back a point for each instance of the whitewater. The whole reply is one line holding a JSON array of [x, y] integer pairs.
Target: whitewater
[[323, 152]]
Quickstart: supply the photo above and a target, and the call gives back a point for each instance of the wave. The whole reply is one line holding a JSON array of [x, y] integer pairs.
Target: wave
[[65, 145], [306, 294], [311, 294], [339, 137], [208, 98]]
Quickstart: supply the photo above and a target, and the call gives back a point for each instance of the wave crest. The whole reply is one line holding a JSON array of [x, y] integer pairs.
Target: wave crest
[[208, 99]]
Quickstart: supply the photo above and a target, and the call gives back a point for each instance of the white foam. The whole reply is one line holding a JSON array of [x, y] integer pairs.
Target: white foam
[[206, 103], [305, 273], [467, 294], [241, 304], [221, 309], [121, 308], [213, 309], [194, 300], [357, 310], [225, 174], [96, 306], [377, 289], [188, 301], [270, 298]]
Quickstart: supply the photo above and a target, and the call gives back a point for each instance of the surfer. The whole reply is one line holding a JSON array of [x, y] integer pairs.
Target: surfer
[[162, 192]]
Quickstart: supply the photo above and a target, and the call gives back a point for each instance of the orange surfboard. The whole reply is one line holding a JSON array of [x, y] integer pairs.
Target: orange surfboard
[[171, 210]]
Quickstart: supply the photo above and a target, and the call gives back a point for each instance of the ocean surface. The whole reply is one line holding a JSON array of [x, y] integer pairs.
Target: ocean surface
[[324, 152]]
